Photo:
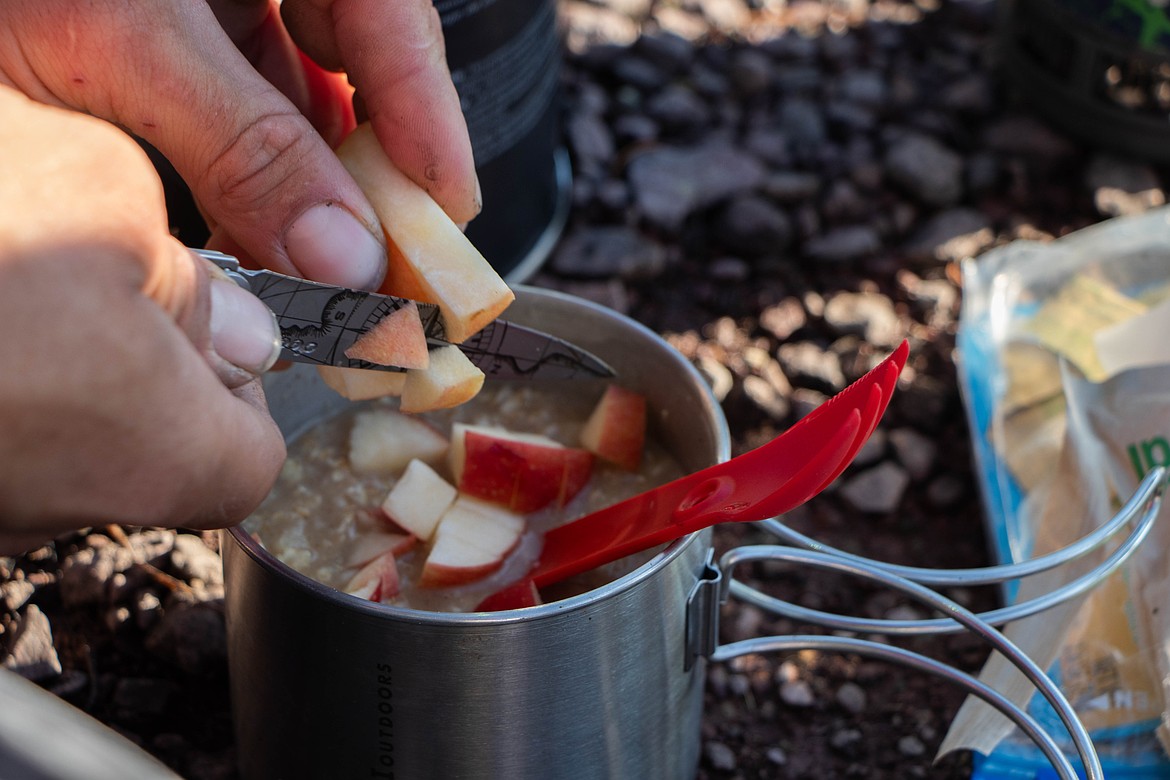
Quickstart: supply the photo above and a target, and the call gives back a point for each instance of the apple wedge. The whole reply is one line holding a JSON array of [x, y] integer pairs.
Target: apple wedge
[[359, 384], [521, 471], [398, 339], [430, 258], [384, 441], [450, 379], [616, 429], [419, 499], [373, 545], [472, 540], [376, 581]]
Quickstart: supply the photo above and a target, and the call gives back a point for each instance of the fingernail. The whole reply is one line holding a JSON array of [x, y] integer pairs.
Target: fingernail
[[328, 244], [243, 330]]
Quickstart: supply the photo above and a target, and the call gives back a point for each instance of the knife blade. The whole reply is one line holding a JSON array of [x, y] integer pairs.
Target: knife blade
[[319, 322]]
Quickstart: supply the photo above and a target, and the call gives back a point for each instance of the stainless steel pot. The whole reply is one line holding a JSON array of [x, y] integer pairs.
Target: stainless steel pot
[[601, 685]]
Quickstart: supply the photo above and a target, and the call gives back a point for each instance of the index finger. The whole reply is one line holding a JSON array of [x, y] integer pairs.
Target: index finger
[[396, 58]]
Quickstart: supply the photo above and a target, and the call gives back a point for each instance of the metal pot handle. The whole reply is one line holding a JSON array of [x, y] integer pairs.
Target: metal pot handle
[[715, 585], [1143, 506], [711, 590]]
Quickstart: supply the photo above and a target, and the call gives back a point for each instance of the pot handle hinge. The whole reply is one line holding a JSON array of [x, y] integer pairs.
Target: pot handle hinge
[[702, 634]]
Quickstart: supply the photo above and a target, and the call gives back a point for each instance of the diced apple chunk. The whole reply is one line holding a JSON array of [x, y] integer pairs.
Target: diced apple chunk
[[522, 471], [419, 499], [450, 379], [378, 580], [616, 430], [359, 384], [430, 257], [383, 441], [472, 540], [398, 339]]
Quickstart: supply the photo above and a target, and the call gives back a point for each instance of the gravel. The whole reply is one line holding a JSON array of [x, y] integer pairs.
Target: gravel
[[783, 190]]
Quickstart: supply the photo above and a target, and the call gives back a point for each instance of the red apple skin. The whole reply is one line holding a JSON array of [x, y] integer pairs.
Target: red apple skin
[[383, 570], [438, 575], [516, 596], [521, 475], [616, 429]]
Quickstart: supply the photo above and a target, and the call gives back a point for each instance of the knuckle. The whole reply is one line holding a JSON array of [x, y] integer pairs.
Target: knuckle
[[250, 173]]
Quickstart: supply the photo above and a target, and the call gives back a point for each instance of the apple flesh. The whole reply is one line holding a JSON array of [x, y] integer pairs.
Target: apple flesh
[[419, 499], [360, 384], [375, 544], [383, 441], [430, 259], [398, 339], [449, 380], [616, 429], [472, 541], [378, 580], [521, 471]]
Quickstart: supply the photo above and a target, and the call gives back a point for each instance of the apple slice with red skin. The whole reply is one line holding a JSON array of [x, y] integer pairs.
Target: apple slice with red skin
[[398, 339], [472, 541], [515, 596], [418, 500], [384, 441], [522, 471], [616, 429], [378, 580]]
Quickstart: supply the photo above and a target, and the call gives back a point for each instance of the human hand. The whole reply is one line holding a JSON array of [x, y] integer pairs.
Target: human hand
[[266, 181], [128, 387]]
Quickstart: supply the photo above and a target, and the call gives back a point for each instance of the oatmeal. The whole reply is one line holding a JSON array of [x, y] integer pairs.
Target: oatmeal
[[324, 514]]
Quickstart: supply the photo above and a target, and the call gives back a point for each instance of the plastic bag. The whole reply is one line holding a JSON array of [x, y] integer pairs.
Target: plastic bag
[[1061, 350]]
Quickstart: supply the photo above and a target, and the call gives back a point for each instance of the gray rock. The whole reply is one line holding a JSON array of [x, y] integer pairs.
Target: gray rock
[[776, 756], [842, 244], [879, 489], [852, 698], [911, 746], [868, 315], [915, 451], [752, 225], [192, 560], [802, 121], [791, 186], [670, 183], [951, 235], [864, 87], [873, 451], [670, 52], [797, 693], [589, 138], [929, 171], [750, 72], [807, 365], [31, 653], [677, 107], [635, 129], [729, 269], [600, 252], [720, 756], [639, 72], [769, 144]]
